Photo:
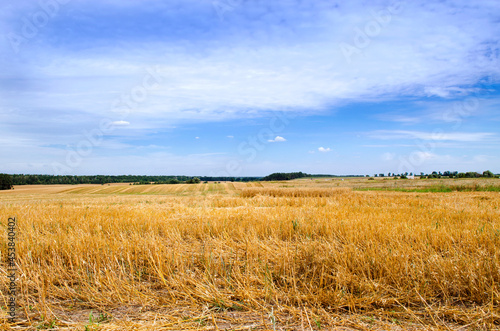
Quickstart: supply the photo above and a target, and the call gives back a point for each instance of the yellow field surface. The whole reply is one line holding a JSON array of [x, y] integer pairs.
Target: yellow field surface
[[298, 255], [177, 189]]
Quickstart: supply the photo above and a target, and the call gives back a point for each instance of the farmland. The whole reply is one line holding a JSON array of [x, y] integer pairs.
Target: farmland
[[353, 254]]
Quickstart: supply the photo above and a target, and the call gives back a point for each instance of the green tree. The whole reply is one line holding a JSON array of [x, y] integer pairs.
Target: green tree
[[472, 174], [194, 180], [285, 176], [5, 182], [488, 173]]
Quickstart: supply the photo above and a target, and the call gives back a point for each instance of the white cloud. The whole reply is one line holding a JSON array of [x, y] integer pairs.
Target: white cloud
[[425, 156], [277, 139], [120, 123], [230, 137], [388, 156], [446, 92], [324, 150], [448, 111], [481, 158], [432, 136], [423, 51], [196, 137]]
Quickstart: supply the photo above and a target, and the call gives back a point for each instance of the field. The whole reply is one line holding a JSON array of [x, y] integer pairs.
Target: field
[[323, 254]]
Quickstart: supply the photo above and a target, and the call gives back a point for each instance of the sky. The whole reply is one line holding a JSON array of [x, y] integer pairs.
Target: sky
[[249, 87]]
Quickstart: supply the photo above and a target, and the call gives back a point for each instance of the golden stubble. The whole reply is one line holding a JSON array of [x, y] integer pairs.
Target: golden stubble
[[424, 258]]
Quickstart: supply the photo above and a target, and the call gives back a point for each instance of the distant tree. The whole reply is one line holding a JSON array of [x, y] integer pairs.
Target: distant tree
[[488, 173], [285, 176], [5, 182], [472, 174], [194, 180]]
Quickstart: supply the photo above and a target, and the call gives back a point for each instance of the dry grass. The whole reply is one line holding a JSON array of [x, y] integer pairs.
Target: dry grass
[[294, 192], [294, 258]]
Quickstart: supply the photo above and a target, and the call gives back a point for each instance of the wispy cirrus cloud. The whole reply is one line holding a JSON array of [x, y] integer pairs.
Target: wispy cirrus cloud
[[434, 136], [121, 123], [212, 72], [479, 104]]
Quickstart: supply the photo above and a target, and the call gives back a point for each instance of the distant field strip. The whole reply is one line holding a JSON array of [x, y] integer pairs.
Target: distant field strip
[[294, 192], [162, 189], [319, 187], [437, 188]]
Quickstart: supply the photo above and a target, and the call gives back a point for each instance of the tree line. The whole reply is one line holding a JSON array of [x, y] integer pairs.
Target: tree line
[[285, 176], [445, 174], [20, 179], [194, 180], [456, 174], [7, 181]]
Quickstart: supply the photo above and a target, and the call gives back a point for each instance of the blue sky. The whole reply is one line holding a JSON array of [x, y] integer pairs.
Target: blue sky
[[246, 88]]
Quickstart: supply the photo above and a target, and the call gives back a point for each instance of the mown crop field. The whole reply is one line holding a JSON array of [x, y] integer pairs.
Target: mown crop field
[[319, 254]]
